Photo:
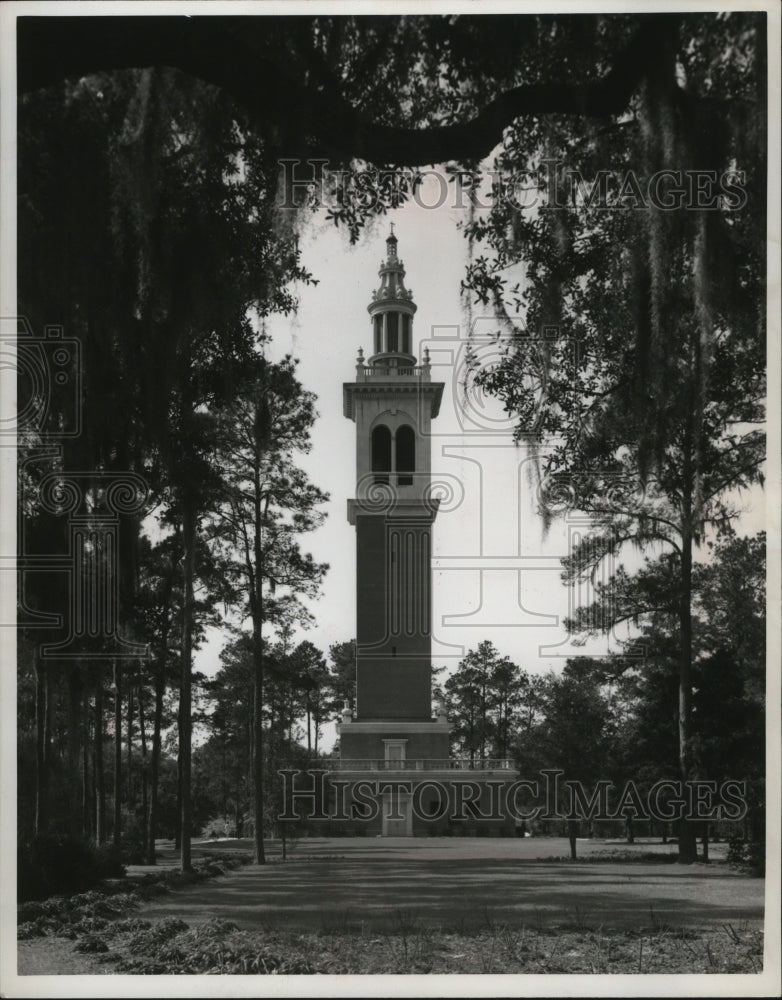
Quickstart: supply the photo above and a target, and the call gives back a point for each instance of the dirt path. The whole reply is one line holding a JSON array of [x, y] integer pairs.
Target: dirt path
[[55, 956]]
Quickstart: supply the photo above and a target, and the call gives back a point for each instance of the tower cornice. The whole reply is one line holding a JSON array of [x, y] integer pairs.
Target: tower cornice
[[397, 386], [394, 507]]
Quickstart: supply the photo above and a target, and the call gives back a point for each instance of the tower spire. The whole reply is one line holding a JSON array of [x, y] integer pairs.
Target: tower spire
[[391, 311]]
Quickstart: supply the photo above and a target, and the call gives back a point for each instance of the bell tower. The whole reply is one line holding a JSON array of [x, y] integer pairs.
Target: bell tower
[[393, 402], [393, 739]]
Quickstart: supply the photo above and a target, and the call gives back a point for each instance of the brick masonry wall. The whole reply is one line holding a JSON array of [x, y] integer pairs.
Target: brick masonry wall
[[393, 668], [370, 746]]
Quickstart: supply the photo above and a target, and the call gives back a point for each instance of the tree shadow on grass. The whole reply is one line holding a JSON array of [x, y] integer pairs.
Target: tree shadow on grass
[[441, 891]]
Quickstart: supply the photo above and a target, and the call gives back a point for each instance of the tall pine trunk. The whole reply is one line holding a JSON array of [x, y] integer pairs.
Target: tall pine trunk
[[160, 690], [97, 767], [117, 832], [688, 850], [258, 782], [185, 697], [143, 737], [41, 763], [86, 790], [255, 580], [130, 741], [73, 747], [48, 720], [154, 771], [178, 833], [572, 832]]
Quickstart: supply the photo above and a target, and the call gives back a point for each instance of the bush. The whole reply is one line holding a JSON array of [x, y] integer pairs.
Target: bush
[[147, 941], [109, 863], [211, 948], [218, 827], [134, 839], [54, 863], [91, 943], [748, 855]]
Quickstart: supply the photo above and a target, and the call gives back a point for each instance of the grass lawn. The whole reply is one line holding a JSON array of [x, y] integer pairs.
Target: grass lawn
[[440, 905]]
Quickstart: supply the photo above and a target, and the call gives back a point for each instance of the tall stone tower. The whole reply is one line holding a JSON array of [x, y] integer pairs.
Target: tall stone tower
[[393, 402]]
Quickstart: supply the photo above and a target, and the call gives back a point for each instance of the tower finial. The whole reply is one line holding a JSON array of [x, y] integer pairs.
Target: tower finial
[[391, 243]]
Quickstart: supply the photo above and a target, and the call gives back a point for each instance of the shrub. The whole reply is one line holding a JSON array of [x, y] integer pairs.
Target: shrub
[[134, 839], [55, 863], [210, 948], [109, 863], [218, 827], [749, 855], [148, 941], [91, 944]]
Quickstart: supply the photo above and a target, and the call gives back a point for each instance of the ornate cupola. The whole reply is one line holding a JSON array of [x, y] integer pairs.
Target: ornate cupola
[[392, 401], [391, 311]]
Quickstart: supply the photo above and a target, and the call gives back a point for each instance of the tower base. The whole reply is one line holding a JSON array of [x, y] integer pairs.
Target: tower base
[[396, 779]]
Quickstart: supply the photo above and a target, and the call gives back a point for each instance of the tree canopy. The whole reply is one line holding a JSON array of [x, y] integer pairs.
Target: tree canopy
[[381, 89], [622, 260]]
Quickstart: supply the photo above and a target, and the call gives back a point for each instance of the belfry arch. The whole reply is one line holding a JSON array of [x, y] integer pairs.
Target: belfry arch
[[382, 464], [393, 451]]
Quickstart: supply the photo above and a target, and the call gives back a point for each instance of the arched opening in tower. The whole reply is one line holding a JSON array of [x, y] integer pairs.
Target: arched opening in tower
[[381, 454], [405, 455]]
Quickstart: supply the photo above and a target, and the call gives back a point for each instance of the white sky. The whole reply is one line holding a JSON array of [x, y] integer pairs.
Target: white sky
[[495, 575]]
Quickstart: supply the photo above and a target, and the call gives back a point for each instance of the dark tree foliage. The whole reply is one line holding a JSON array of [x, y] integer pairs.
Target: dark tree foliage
[[266, 503], [145, 229], [728, 670], [409, 90], [576, 734], [494, 706], [630, 312], [297, 694], [343, 665]]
